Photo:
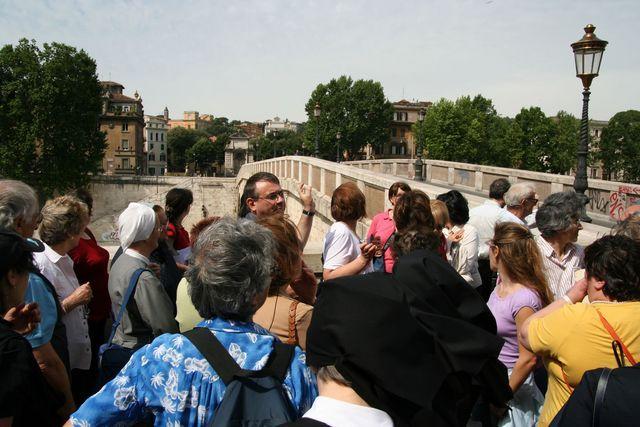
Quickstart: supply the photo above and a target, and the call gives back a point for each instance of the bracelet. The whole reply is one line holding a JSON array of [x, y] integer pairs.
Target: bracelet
[[308, 213], [567, 299]]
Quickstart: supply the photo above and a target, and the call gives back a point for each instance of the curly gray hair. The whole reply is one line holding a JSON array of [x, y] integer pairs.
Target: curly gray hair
[[231, 268], [17, 201], [558, 212]]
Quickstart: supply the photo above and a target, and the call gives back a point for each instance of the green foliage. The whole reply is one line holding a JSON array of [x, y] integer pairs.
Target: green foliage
[[358, 110], [284, 142], [203, 153], [470, 130], [179, 140], [50, 104], [220, 126], [620, 146], [467, 130]]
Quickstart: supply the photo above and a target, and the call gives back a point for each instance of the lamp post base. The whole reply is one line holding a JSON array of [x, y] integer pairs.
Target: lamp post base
[[417, 176]]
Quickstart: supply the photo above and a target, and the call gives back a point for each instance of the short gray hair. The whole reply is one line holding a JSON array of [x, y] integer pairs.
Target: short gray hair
[[62, 217], [17, 201], [518, 192], [231, 266], [558, 212]]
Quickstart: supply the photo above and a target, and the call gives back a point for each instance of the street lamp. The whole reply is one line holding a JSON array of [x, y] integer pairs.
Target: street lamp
[[316, 114], [588, 56], [338, 136], [418, 164], [275, 142]]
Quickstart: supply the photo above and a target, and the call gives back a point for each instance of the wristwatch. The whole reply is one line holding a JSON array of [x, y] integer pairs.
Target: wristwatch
[[308, 213]]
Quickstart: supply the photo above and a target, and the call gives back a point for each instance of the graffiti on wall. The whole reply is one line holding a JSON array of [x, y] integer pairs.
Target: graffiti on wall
[[599, 201], [626, 196]]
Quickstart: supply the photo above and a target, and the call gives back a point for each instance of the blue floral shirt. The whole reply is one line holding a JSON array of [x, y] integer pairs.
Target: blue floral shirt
[[172, 380]]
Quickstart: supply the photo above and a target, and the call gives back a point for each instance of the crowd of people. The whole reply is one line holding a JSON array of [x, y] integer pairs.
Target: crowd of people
[[440, 315]]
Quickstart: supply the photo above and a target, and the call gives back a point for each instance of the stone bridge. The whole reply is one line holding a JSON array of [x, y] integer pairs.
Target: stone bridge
[[219, 196]]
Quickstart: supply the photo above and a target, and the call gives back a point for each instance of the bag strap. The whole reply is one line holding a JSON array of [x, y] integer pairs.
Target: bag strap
[[616, 337], [599, 398], [388, 242], [293, 333], [227, 368], [125, 301]]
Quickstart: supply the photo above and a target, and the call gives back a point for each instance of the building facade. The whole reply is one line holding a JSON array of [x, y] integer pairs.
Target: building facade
[[277, 125], [237, 152], [122, 120], [191, 120], [401, 139], [155, 145]]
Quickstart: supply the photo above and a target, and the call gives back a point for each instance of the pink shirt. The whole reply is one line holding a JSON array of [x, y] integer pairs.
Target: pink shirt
[[383, 226]]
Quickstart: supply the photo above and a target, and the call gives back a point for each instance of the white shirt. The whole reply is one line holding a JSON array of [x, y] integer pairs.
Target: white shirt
[[337, 413], [341, 246], [463, 255], [59, 270], [506, 216], [136, 254], [484, 218], [560, 272]]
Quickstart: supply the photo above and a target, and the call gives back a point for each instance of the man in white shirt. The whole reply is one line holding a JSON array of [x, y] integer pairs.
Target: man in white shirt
[[519, 203], [484, 218], [558, 220]]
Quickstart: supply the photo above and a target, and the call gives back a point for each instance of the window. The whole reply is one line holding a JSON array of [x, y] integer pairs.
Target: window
[[157, 139], [402, 133], [162, 137], [126, 108], [150, 146], [150, 136], [152, 171], [125, 163], [125, 144], [125, 127], [152, 157], [163, 158], [161, 147], [393, 132]]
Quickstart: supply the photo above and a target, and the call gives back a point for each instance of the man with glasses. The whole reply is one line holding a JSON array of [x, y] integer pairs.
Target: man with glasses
[[263, 196], [558, 220], [519, 203]]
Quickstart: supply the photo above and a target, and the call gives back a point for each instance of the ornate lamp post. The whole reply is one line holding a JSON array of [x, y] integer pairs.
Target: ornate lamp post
[[275, 142], [418, 148], [588, 55], [339, 151], [316, 114]]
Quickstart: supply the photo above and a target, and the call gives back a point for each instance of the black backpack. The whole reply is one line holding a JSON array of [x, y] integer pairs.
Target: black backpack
[[252, 398]]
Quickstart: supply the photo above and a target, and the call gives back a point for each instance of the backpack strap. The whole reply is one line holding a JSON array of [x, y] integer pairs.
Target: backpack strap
[[293, 333], [125, 301], [227, 368], [279, 360], [616, 337], [599, 398], [215, 353]]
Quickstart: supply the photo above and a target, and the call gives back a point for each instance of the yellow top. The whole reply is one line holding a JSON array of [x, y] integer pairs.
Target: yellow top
[[573, 339], [186, 314]]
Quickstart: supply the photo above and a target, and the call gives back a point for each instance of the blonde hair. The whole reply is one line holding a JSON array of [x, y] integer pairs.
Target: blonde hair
[[62, 217], [440, 213], [521, 258]]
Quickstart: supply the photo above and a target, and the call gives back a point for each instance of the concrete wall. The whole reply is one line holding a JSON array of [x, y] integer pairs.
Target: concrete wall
[[218, 197]]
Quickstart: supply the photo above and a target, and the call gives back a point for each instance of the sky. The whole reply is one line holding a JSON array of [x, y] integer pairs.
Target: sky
[[254, 60]]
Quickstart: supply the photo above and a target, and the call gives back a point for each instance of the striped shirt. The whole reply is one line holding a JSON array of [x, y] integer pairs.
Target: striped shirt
[[560, 272]]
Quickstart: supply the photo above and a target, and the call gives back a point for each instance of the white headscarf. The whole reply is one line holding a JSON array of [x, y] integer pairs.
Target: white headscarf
[[135, 223]]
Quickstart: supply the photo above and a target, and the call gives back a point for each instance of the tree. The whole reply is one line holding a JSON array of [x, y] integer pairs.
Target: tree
[[530, 140], [179, 140], [562, 152], [358, 110], [203, 153], [467, 130], [619, 148], [283, 143], [50, 105]]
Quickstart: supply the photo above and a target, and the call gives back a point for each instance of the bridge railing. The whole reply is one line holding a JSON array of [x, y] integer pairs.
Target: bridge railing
[[608, 199]]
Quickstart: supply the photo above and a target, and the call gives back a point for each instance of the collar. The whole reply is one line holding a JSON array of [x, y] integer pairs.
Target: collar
[[136, 255], [233, 326], [52, 255], [492, 202], [336, 412], [549, 252]]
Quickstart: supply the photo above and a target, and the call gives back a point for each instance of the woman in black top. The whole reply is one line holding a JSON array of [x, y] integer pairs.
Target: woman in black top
[[25, 397]]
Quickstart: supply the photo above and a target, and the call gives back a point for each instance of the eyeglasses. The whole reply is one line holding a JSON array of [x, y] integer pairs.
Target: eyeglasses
[[274, 197], [532, 199]]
